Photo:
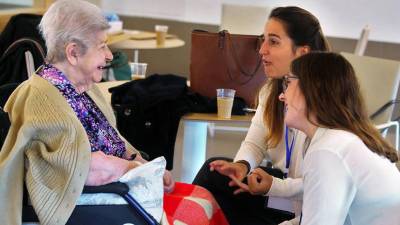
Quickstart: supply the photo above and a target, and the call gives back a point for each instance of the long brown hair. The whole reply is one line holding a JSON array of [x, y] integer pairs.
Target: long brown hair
[[303, 29], [332, 94]]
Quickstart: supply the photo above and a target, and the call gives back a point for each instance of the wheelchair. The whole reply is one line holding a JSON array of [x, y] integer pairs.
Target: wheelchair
[[131, 213]]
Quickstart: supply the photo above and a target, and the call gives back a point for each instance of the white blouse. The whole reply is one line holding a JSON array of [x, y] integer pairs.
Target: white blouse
[[346, 183]]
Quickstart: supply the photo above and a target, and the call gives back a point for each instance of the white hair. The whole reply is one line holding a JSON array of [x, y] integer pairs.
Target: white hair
[[68, 21]]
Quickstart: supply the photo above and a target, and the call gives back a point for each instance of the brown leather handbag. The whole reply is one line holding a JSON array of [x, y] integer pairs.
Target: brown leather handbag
[[224, 60]]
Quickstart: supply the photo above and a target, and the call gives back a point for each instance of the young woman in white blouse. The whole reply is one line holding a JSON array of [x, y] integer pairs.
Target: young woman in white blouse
[[289, 33], [349, 172]]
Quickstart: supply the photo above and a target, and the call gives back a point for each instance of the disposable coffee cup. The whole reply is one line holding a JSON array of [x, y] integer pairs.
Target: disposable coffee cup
[[138, 70], [161, 34], [225, 102]]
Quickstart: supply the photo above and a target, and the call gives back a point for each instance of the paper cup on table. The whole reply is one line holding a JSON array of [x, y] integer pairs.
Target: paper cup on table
[[138, 70], [225, 102], [161, 34]]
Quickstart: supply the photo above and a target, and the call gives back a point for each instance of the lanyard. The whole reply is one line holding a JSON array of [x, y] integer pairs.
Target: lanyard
[[288, 149]]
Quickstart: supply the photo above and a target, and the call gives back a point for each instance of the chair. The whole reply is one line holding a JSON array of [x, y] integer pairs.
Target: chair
[[91, 214], [379, 80]]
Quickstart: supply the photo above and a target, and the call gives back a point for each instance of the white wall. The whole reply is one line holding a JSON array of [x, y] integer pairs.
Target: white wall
[[339, 18], [346, 18], [196, 11]]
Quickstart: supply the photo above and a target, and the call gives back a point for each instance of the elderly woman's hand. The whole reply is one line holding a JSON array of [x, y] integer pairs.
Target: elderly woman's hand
[[169, 182], [105, 169]]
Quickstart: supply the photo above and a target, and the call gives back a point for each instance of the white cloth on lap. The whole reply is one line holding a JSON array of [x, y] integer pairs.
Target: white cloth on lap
[[145, 185]]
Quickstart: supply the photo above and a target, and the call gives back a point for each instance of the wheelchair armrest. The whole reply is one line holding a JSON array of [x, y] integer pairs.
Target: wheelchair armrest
[[122, 190], [141, 216], [115, 188]]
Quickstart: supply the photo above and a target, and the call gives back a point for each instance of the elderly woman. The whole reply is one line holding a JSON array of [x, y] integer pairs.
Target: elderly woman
[[62, 133]]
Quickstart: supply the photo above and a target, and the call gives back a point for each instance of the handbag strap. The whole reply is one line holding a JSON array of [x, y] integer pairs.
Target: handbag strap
[[225, 37]]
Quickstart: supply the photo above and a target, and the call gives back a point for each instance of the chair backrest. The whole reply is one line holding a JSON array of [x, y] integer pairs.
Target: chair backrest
[[379, 80], [241, 19]]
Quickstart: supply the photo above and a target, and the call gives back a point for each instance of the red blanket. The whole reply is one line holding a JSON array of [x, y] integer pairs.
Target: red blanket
[[192, 205]]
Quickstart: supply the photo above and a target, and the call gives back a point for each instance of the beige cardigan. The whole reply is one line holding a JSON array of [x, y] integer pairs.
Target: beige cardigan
[[47, 147]]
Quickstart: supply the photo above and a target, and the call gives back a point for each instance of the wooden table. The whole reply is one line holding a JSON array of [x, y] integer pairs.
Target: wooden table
[[194, 147], [136, 40]]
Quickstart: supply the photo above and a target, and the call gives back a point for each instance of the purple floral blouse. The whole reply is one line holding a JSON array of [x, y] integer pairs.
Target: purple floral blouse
[[102, 136]]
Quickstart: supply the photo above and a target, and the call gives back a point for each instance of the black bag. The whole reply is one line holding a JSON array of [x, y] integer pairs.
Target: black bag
[[148, 112]]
